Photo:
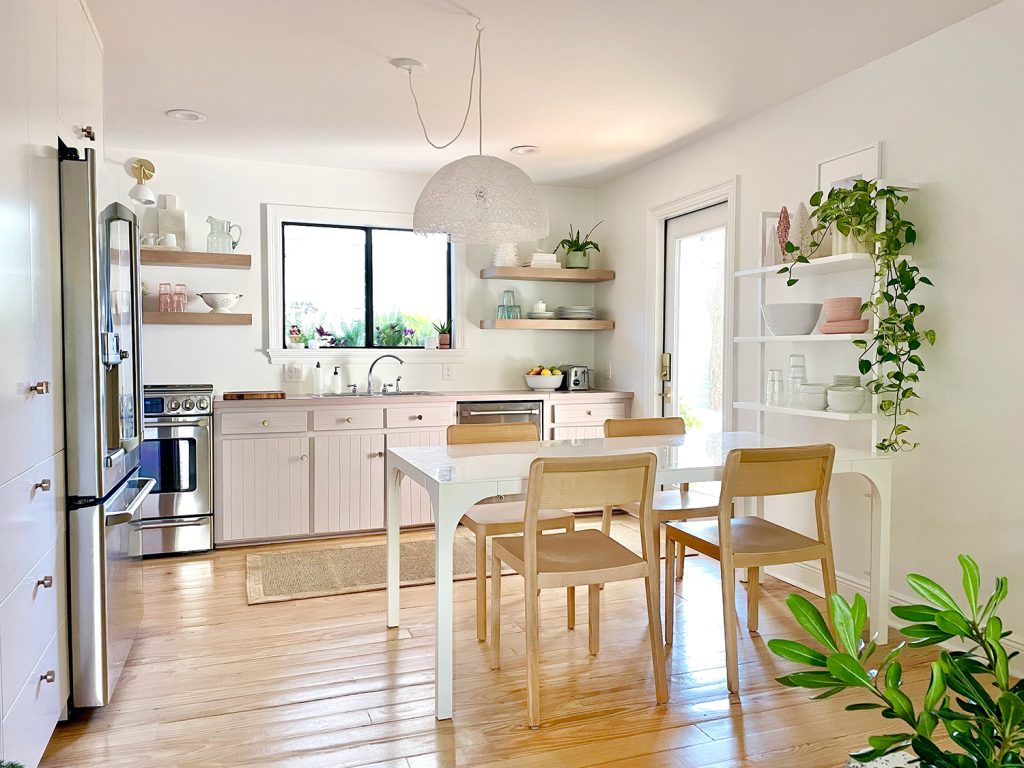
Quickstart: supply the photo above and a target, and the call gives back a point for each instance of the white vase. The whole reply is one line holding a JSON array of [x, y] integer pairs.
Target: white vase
[[848, 243]]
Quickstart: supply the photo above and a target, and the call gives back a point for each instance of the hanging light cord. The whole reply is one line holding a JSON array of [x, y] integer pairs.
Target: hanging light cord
[[478, 66]]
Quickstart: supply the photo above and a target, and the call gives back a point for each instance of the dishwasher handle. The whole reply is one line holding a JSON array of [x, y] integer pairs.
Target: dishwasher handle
[[502, 413]]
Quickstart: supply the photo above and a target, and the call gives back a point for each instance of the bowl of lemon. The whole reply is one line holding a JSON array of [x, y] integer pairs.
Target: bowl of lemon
[[542, 377]]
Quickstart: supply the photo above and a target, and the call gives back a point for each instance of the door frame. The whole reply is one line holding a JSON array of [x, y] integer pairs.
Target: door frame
[[727, 192]]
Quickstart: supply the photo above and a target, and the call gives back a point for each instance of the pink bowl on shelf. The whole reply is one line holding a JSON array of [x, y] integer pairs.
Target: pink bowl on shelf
[[842, 308], [844, 326]]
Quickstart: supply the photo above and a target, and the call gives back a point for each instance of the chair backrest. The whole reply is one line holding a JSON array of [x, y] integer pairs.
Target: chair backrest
[[777, 472], [590, 481], [668, 425], [469, 434]]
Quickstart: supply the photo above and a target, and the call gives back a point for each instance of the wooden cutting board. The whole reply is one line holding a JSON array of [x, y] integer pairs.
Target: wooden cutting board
[[258, 395]]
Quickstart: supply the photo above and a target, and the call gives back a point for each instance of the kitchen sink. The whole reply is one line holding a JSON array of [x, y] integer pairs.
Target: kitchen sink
[[420, 393]]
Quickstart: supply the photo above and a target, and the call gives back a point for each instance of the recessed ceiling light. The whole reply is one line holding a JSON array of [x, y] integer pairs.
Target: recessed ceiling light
[[524, 149], [186, 115]]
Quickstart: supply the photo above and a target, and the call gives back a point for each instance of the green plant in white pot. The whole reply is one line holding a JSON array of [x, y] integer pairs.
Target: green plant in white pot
[[578, 248]]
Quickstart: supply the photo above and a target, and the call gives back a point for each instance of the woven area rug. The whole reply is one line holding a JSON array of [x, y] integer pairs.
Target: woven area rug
[[273, 577]]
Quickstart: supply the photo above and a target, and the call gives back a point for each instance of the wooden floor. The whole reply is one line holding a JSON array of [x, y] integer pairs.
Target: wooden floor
[[323, 683]]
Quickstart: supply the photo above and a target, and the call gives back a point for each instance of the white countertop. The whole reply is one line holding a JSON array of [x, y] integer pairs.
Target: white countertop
[[377, 401]]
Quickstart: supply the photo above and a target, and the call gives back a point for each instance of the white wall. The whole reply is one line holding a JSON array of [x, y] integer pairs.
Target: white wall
[[949, 110], [233, 358]]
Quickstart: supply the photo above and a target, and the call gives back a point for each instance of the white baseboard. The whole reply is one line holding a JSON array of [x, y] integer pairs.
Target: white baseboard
[[807, 576]]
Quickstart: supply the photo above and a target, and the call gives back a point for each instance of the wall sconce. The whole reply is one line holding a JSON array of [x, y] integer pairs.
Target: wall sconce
[[142, 171]]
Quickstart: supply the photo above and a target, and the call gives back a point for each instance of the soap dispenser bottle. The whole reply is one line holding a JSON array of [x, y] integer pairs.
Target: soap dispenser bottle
[[318, 380], [336, 380]]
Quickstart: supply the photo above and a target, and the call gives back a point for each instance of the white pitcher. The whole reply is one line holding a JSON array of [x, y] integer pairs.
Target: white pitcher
[[219, 240]]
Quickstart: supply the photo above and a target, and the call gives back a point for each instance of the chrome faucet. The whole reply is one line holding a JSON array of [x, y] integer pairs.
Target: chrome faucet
[[369, 375]]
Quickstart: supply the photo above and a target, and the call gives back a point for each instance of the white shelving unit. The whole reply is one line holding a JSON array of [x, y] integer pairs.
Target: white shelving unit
[[842, 262]]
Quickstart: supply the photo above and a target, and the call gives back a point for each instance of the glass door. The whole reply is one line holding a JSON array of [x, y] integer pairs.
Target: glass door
[[695, 258]]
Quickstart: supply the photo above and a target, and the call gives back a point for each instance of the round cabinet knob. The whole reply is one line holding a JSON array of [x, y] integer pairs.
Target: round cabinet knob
[[189, 404], [203, 403], [419, 417], [265, 422], [380, 454], [304, 457], [46, 582], [125, 354], [348, 419], [40, 388], [89, 132], [590, 413], [43, 485], [173, 405], [49, 677]]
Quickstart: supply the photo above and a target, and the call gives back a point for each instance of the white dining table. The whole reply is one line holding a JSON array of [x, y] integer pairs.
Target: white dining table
[[457, 477]]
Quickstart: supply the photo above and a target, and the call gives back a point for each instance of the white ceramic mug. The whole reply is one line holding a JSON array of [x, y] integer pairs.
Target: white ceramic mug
[[540, 306], [170, 240], [150, 239]]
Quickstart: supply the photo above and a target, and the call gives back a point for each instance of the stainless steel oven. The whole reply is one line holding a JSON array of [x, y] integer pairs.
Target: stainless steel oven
[[177, 453], [501, 412]]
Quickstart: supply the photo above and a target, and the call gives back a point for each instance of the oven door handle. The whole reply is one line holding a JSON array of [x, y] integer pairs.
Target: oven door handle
[[155, 523], [501, 413], [119, 518], [173, 424]]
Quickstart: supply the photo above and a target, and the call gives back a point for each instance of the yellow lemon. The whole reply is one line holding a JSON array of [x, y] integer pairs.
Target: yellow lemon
[[545, 372]]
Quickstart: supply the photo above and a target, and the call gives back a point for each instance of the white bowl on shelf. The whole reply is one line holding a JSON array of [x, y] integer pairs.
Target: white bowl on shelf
[[220, 302], [791, 319], [846, 399], [544, 382]]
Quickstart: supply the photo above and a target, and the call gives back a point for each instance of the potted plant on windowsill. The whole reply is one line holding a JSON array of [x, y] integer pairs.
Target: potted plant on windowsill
[[577, 249], [444, 334], [970, 694]]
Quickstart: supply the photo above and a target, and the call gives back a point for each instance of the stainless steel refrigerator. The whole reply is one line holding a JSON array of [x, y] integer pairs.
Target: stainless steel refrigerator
[[103, 414]]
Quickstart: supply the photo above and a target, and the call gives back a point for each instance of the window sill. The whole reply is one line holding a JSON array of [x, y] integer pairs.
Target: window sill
[[413, 355]]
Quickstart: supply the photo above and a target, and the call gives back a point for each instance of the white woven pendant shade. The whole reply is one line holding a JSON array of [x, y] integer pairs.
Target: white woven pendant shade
[[481, 200]]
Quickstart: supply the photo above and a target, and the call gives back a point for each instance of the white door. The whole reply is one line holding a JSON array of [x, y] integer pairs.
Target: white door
[[695, 318]]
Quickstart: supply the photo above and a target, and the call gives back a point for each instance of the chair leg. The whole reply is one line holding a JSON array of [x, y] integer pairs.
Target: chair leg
[[495, 612], [606, 525], [753, 590], [732, 672], [828, 574], [670, 556], [481, 587], [533, 657], [681, 558], [570, 592], [654, 630], [594, 617]]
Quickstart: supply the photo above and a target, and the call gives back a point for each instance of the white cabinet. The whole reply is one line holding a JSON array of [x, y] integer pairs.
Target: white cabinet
[[348, 484], [584, 417], [263, 488], [416, 508], [79, 77]]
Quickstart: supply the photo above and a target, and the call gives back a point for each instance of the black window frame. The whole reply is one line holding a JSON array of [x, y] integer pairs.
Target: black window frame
[[368, 281]]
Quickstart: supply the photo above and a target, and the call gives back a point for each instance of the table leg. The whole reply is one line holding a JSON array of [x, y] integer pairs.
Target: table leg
[[447, 513], [394, 521], [879, 477]]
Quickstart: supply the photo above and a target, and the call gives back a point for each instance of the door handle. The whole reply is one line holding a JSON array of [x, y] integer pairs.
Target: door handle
[[119, 518], [49, 677], [46, 582], [113, 456], [43, 485], [152, 524], [501, 413], [40, 388]]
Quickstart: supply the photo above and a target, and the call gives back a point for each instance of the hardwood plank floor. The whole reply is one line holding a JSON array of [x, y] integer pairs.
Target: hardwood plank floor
[[322, 683]]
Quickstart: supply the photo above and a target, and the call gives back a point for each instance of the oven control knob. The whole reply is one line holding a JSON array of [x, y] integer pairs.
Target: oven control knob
[[202, 403], [189, 404], [173, 405]]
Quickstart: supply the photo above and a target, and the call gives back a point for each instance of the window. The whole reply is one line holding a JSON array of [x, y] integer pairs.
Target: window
[[357, 287]]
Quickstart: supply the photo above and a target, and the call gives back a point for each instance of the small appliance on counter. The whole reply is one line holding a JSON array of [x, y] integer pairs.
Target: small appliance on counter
[[577, 378], [177, 452]]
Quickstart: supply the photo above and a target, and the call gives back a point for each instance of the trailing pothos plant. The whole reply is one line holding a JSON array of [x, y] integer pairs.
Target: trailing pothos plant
[[891, 355], [970, 693]]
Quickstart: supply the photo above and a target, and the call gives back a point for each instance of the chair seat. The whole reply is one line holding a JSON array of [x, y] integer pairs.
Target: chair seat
[[753, 539], [506, 517], [576, 554]]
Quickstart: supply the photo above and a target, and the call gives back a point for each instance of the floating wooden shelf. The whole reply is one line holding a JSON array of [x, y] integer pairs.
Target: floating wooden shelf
[[548, 275], [159, 257], [816, 337], [761, 407], [548, 325], [196, 318]]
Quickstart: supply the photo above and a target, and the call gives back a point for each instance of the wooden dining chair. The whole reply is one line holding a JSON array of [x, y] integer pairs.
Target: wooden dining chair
[[752, 542], [500, 517], [576, 558]]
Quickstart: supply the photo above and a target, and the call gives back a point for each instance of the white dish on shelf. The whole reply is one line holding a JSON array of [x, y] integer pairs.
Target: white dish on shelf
[[846, 399], [792, 318], [540, 315], [220, 302], [544, 382]]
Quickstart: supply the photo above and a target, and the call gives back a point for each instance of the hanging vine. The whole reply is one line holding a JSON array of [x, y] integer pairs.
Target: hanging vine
[[891, 356]]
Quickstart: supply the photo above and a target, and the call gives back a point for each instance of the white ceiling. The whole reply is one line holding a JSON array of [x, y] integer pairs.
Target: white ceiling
[[602, 86]]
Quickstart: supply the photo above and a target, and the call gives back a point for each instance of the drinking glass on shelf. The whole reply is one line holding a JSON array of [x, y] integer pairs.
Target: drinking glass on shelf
[[180, 298], [508, 297], [165, 297], [775, 392], [515, 312]]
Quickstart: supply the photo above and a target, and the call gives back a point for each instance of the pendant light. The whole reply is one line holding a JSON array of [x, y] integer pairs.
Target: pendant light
[[479, 199]]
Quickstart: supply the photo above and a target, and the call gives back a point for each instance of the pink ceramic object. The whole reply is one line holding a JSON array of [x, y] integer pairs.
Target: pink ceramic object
[[842, 308], [844, 326]]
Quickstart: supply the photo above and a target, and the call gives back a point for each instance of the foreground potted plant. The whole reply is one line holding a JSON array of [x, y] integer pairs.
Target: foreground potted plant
[[577, 248], [444, 334], [893, 351], [970, 693]]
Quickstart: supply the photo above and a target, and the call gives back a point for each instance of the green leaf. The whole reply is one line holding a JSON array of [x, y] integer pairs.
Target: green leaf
[[953, 623], [791, 282], [842, 620], [1011, 709], [864, 366], [930, 335], [860, 614], [816, 198], [936, 688], [890, 657], [811, 620], [914, 612], [972, 581], [900, 703], [798, 652], [889, 741], [931, 591], [1001, 668], [894, 675], [809, 680], [994, 629], [863, 705], [847, 669]]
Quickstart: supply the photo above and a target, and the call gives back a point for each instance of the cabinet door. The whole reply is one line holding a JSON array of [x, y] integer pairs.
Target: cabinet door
[[416, 509], [348, 483], [264, 488], [71, 28]]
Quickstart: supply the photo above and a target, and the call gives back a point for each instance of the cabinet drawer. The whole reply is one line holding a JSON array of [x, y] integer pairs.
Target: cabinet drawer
[[348, 418], [29, 519], [33, 716], [420, 416], [28, 620], [263, 421], [588, 413]]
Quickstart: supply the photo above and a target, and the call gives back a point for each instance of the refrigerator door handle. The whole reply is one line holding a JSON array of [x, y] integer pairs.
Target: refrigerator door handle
[[113, 456], [146, 485]]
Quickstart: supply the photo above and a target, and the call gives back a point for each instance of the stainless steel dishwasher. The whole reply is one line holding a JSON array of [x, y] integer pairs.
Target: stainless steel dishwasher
[[502, 412]]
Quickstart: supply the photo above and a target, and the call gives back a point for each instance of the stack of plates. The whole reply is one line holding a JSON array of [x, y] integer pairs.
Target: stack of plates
[[576, 313], [540, 315]]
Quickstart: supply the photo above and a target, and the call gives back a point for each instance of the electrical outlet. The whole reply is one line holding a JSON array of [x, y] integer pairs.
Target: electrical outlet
[[447, 371], [294, 373]]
